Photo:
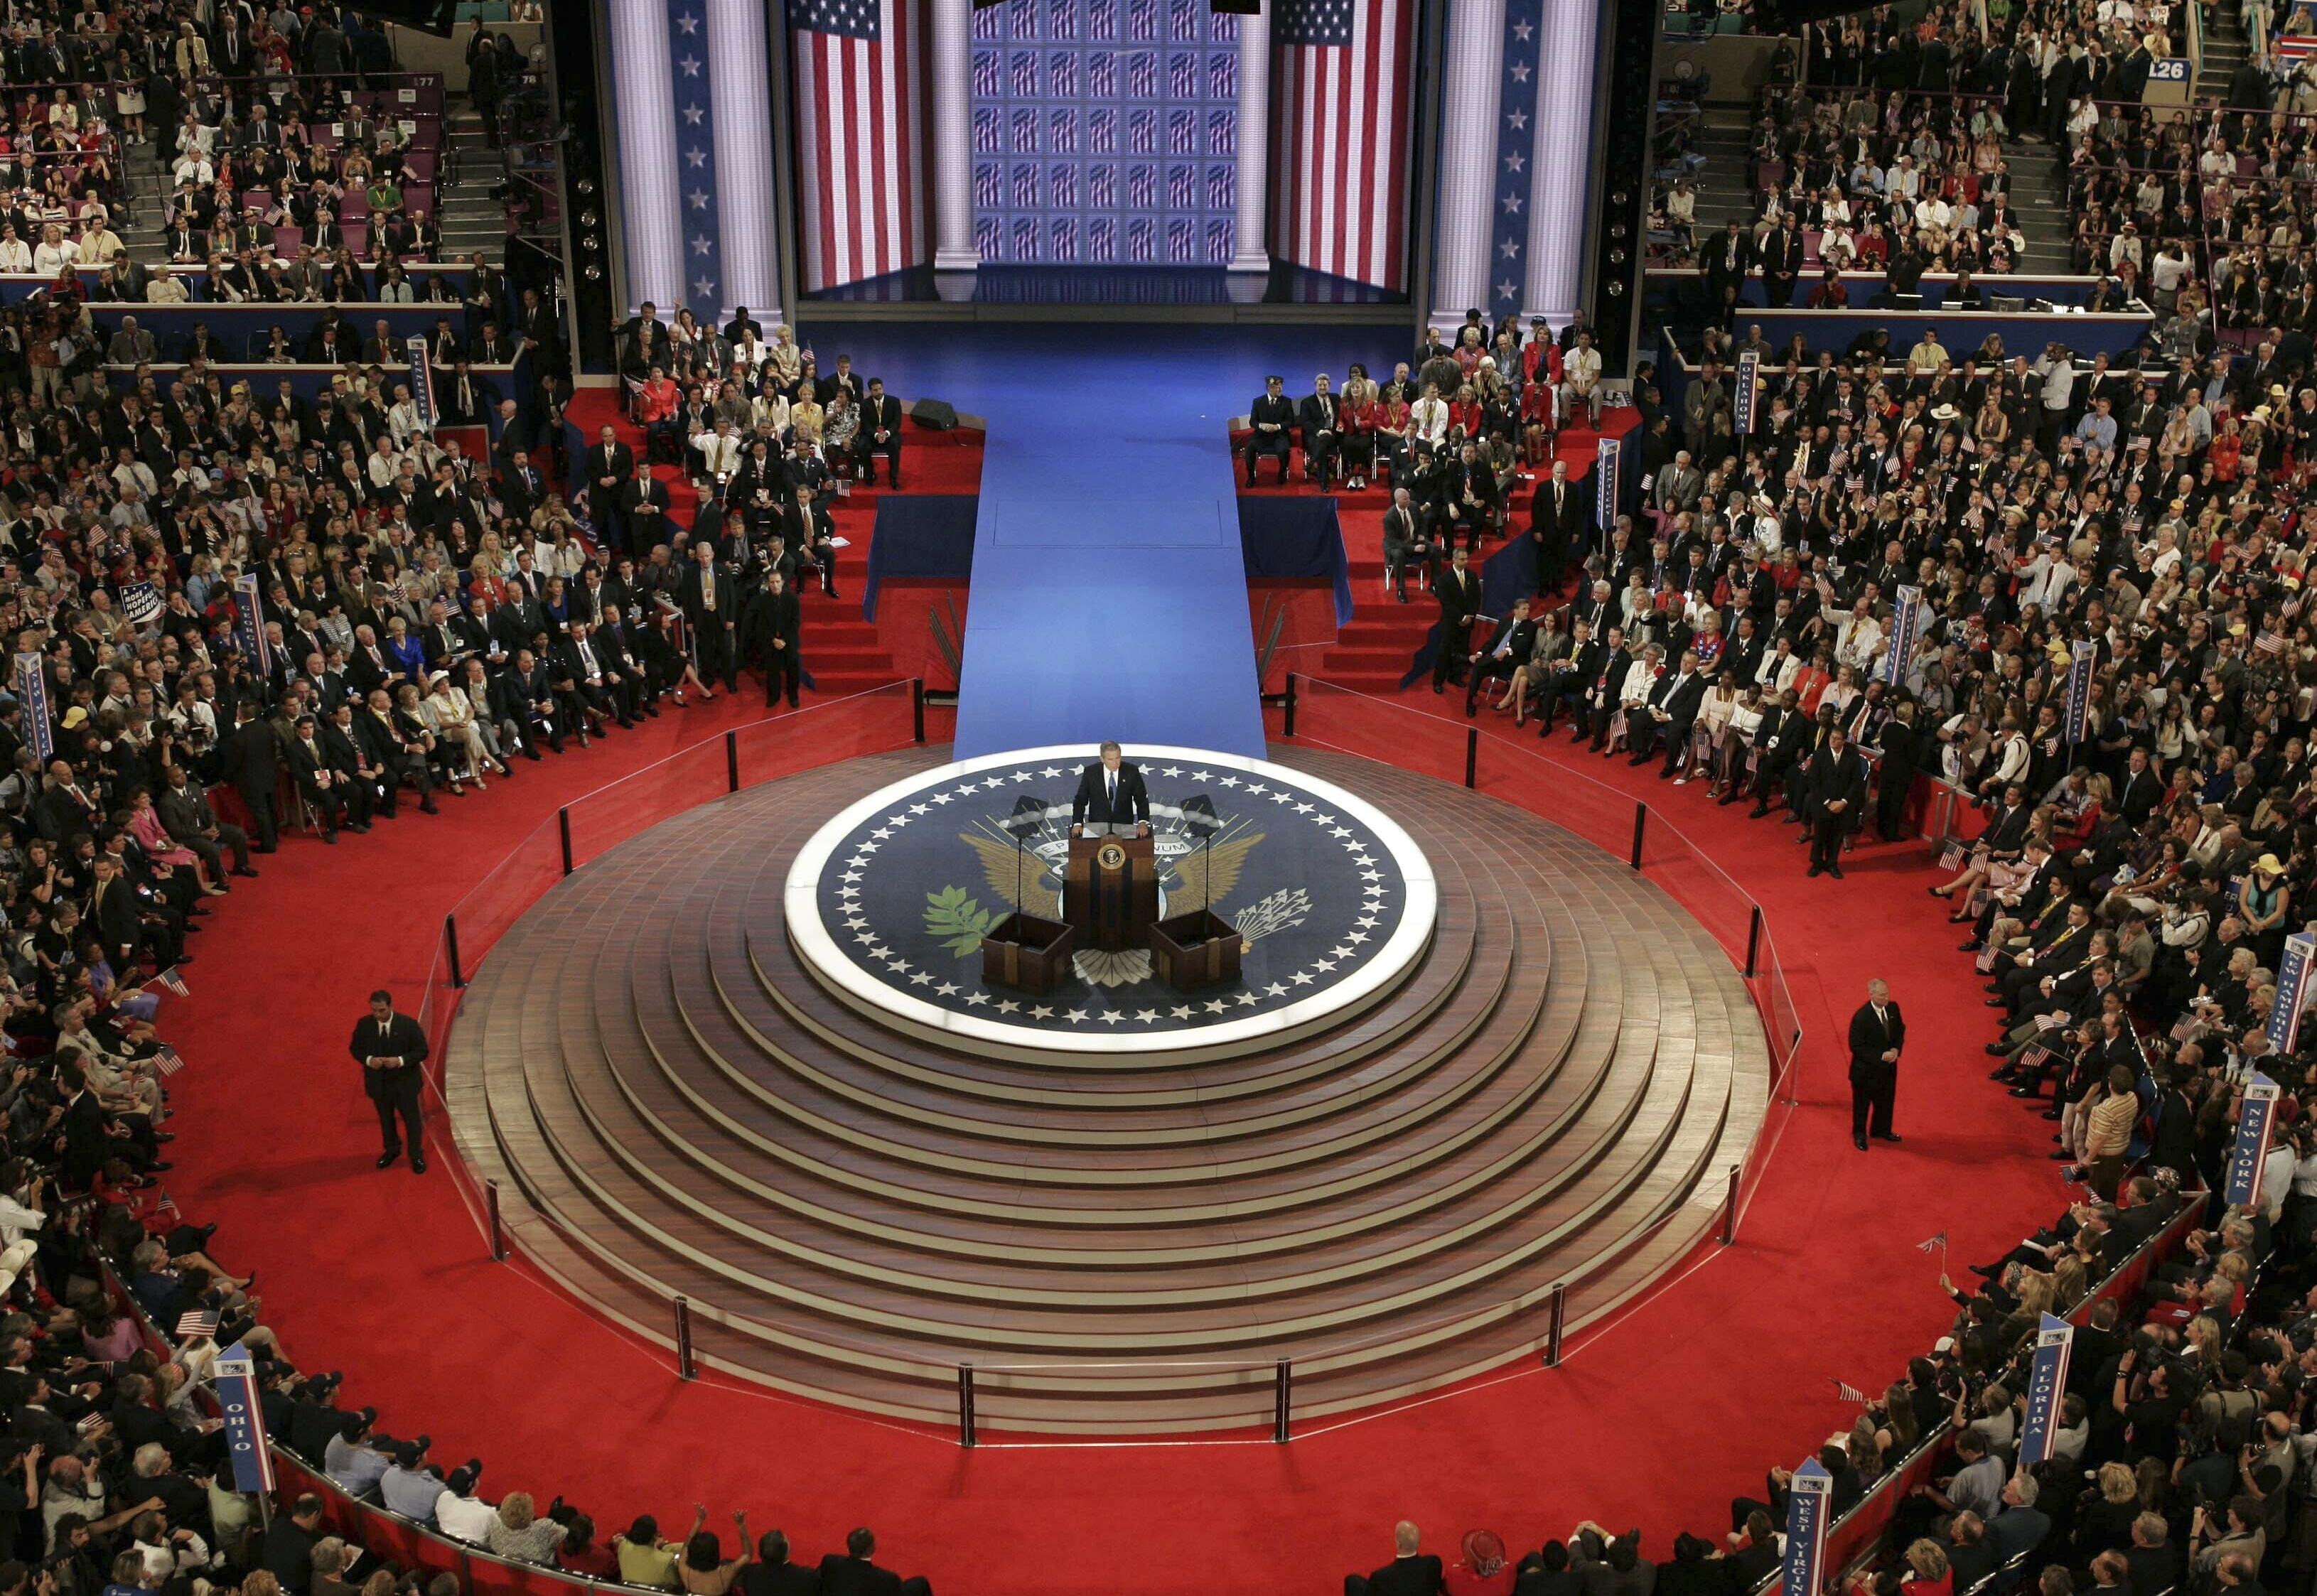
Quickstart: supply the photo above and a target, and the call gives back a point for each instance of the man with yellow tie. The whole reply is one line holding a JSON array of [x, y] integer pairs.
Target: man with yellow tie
[[710, 601]]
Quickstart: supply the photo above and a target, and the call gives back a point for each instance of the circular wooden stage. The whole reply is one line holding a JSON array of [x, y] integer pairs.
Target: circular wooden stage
[[1553, 1090]]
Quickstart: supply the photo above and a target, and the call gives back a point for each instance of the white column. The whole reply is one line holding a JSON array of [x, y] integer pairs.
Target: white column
[[1468, 146], [1563, 160], [952, 69], [740, 92], [651, 219], [1251, 251]]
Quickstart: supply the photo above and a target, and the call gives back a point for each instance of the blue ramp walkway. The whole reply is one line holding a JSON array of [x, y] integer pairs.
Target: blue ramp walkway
[[1109, 590]]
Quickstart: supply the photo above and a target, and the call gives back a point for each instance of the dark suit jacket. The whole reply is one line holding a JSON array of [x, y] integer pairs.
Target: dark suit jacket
[[252, 756], [1094, 802], [879, 415], [1420, 1575], [623, 467], [404, 1039], [1678, 697], [771, 615], [1869, 1041], [1401, 532], [1460, 598], [843, 1575], [779, 1579], [1279, 411], [116, 916], [1559, 526], [1520, 636], [84, 1138], [728, 597], [1845, 778]]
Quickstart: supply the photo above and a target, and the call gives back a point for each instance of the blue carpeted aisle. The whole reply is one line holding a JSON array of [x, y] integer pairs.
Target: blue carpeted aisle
[[1109, 590]]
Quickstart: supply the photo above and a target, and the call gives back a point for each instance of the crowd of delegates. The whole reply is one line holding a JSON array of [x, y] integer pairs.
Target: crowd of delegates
[[427, 617], [2181, 1451], [1860, 180], [1458, 433], [114, 1308], [2207, 215], [749, 415]]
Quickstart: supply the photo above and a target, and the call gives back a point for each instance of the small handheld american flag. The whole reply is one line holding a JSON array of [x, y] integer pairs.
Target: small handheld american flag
[[173, 982], [197, 1323], [1937, 1243], [168, 1061], [166, 1205], [1847, 1391]]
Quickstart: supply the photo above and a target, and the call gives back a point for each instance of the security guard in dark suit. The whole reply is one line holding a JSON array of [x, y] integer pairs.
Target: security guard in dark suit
[[391, 1048]]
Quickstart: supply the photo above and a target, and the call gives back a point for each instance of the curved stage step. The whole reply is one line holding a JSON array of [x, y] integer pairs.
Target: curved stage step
[[680, 1107]]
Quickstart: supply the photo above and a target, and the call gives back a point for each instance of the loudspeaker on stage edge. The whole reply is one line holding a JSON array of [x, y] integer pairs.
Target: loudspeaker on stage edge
[[936, 414]]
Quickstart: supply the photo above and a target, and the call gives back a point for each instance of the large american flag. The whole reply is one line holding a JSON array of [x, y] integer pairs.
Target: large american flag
[[1341, 136], [859, 121]]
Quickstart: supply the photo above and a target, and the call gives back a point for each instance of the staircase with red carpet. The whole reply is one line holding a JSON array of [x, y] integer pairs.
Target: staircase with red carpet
[[842, 653], [1377, 646]]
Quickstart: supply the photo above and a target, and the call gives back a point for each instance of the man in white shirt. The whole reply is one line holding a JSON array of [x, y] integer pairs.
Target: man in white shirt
[[1580, 374], [2054, 370], [458, 1513], [719, 455], [1427, 418]]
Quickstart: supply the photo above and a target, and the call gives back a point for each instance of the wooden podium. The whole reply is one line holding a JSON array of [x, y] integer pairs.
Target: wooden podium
[[1025, 951], [1110, 891], [1196, 949]]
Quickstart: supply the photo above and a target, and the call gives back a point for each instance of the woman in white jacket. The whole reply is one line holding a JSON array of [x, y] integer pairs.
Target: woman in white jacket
[[2011, 757]]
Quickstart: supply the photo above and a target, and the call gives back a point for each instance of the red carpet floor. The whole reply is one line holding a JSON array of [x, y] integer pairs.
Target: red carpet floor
[[1657, 1422]]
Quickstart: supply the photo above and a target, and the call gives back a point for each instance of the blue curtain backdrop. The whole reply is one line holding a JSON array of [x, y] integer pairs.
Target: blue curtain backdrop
[[1295, 538], [920, 535]]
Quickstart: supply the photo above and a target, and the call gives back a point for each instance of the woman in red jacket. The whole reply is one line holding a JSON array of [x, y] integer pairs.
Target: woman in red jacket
[[1356, 423], [1391, 431], [1464, 412], [1537, 441]]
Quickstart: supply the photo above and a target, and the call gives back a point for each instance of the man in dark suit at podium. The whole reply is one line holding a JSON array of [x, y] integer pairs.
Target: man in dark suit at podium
[[1110, 793]]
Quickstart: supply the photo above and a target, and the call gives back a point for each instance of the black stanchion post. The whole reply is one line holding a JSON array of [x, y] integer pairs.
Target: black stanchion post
[[563, 824], [1553, 1327], [731, 762], [1753, 940], [1282, 1399], [1290, 729], [1641, 825], [499, 1237], [686, 1369], [917, 708], [451, 938], [1730, 1210], [966, 1428], [1472, 756]]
